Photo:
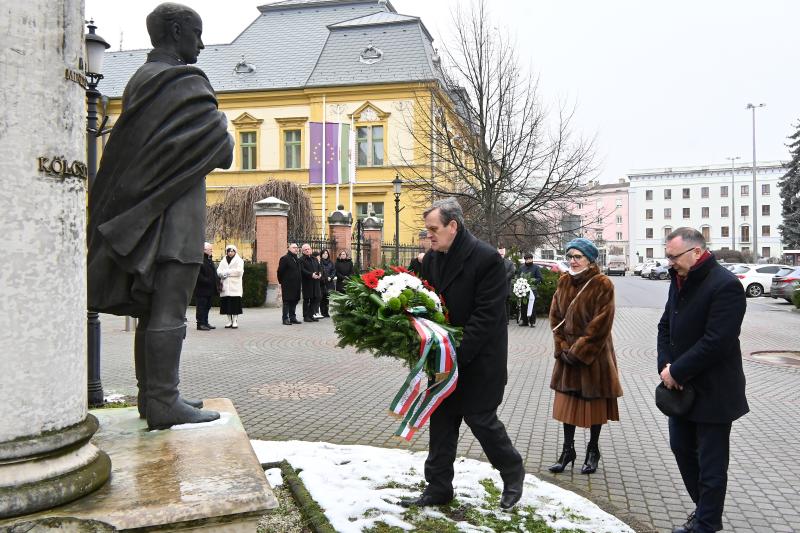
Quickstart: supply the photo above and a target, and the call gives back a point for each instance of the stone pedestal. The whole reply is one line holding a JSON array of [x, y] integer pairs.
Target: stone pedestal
[[341, 228], [195, 477], [272, 215], [46, 458]]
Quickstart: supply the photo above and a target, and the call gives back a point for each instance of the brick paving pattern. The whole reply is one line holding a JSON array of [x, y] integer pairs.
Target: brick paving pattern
[[293, 383]]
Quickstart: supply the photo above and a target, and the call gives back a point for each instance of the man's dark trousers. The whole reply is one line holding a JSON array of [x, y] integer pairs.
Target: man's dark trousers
[[490, 432], [701, 451], [289, 310], [203, 305]]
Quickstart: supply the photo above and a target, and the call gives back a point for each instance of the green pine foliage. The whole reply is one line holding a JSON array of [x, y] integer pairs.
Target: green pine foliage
[[790, 196], [546, 289], [362, 320]]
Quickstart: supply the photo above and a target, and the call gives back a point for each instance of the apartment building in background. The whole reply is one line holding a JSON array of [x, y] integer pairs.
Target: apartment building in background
[[718, 200]]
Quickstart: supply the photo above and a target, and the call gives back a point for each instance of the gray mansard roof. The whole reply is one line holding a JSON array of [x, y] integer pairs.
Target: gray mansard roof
[[307, 43]]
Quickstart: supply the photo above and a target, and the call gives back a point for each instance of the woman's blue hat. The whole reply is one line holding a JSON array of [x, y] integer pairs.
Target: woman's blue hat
[[585, 246]]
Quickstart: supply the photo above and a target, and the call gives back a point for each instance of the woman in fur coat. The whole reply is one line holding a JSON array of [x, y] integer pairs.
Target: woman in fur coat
[[585, 377], [231, 271]]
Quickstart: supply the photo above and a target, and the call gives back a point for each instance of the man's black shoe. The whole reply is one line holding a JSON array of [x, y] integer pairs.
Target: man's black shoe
[[512, 491], [295, 321], [209, 326], [688, 527], [424, 500], [203, 327], [287, 323]]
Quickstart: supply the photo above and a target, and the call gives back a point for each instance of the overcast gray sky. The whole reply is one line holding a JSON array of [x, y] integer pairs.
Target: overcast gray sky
[[659, 84]]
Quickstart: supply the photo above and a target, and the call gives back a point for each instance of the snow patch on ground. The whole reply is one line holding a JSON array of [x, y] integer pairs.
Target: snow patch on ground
[[358, 486]]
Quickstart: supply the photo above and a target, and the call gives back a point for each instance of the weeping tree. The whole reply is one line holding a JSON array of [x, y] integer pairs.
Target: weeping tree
[[234, 218], [486, 138]]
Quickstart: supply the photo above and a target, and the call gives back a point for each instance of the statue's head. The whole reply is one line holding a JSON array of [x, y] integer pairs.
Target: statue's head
[[176, 28]]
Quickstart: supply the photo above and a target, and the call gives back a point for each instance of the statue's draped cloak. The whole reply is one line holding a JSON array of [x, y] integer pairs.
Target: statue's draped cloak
[[147, 202]]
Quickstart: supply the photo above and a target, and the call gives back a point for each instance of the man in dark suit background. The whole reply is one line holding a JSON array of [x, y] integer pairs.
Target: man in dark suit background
[[471, 276], [698, 344], [290, 278]]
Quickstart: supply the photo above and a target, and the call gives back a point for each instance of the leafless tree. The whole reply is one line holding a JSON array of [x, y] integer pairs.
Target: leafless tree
[[485, 137], [234, 218]]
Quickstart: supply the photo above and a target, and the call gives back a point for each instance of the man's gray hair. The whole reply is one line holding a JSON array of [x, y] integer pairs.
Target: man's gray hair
[[449, 209], [689, 236], [207, 244], [161, 19]]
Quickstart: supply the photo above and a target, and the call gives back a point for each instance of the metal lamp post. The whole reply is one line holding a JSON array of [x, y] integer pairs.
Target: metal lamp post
[[733, 202], [397, 183], [95, 49], [755, 203]]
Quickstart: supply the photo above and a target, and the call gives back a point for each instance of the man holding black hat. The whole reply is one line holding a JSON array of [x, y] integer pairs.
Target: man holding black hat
[[535, 272]]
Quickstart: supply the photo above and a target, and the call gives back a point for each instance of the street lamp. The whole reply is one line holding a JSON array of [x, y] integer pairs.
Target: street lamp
[[95, 49], [397, 183], [755, 203], [733, 203]]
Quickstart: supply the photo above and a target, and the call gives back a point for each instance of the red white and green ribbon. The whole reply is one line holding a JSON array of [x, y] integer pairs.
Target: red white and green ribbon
[[415, 402]]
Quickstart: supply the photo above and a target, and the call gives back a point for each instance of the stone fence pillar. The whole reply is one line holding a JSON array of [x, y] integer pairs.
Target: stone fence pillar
[[341, 228], [373, 233], [46, 458], [272, 217]]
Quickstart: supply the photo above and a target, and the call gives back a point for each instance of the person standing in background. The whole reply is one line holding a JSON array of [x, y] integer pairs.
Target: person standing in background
[[231, 272], [205, 288], [290, 278]]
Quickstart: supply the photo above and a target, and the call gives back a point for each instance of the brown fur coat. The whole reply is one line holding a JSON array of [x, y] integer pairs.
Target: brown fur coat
[[586, 335]]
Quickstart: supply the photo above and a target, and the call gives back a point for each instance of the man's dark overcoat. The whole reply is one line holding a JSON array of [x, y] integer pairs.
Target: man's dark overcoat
[[472, 278], [311, 287], [207, 278], [147, 203], [289, 277], [699, 335]]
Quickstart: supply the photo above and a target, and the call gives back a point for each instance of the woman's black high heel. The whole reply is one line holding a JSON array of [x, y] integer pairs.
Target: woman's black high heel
[[592, 458], [568, 456]]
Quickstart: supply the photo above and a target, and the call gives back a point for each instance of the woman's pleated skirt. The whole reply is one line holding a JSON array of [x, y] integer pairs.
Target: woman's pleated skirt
[[577, 411]]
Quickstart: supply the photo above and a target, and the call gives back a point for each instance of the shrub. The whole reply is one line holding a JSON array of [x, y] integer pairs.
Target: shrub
[[545, 291], [796, 298]]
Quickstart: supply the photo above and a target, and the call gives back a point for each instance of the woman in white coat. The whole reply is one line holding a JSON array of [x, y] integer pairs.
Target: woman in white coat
[[231, 271]]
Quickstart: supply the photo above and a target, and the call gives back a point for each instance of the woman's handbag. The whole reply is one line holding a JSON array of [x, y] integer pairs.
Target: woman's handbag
[[674, 402]]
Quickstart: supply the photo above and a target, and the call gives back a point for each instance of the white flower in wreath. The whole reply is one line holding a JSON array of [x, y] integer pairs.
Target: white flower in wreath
[[521, 288]]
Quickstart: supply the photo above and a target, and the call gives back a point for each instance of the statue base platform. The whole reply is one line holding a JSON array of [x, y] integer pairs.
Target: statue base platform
[[203, 477]]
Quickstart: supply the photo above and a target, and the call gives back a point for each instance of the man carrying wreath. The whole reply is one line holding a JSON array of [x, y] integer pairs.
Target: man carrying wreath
[[471, 276]]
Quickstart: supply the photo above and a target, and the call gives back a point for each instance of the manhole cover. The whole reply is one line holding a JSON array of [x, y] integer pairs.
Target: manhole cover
[[786, 357], [297, 390]]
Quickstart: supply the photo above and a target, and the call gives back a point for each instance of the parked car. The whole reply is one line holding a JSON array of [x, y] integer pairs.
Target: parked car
[[757, 279], [616, 268], [659, 272], [785, 282], [553, 266], [648, 267], [637, 269]]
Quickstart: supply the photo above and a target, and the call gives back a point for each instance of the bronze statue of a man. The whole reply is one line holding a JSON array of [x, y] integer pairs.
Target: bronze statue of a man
[[147, 207]]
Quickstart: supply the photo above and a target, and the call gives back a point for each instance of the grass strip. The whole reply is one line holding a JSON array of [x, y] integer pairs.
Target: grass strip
[[314, 516]]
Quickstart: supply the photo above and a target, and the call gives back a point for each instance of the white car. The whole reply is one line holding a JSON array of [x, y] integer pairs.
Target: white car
[[649, 266], [756, 279]]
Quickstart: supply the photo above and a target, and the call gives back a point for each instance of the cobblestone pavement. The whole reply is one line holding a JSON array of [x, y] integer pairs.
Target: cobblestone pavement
[[294, 383]]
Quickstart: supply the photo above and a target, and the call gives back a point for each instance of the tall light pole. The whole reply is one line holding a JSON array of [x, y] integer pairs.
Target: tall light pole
[[733, 202], [397, 183], [755, 193], [95, 48]]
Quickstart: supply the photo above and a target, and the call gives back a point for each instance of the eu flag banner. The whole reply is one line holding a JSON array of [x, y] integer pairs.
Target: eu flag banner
[[329, 157], [344, 154]]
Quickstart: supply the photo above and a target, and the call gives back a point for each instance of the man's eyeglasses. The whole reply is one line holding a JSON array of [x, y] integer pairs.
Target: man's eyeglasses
[[576, 257], [673, 258]]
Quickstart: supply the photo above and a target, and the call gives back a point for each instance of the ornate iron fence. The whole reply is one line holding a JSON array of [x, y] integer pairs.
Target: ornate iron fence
[[407, 253], [317, 242]]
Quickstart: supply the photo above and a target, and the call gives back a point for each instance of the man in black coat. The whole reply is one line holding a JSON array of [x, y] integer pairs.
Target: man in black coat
[[205, 288], [698, 345], [535, 272], [290, 278], [312, 292], [470, 275], [511, 270]]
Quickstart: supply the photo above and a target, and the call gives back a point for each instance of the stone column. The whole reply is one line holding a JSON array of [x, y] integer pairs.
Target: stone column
[[341, 229], [373, 233], [45, 455], [272, 216]]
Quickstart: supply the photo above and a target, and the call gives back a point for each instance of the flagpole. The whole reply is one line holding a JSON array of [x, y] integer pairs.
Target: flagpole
[[324, 162], [352, 159], [339, 144]]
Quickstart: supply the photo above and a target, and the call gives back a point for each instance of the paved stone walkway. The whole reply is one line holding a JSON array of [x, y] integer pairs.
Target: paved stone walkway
[[294, 383]]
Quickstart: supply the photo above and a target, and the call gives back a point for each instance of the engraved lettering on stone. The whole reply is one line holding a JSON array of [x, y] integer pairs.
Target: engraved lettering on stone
[[60, 167]]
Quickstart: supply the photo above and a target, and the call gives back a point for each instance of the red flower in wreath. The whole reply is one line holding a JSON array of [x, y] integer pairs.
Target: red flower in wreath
[[399, 269], [371, 278], [428, 285]]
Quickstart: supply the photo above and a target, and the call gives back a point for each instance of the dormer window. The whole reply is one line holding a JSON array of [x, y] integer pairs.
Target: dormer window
[[370, 55], [243, 67]]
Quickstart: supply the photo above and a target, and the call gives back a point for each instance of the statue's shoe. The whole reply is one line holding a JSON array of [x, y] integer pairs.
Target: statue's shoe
[[163, 416]]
